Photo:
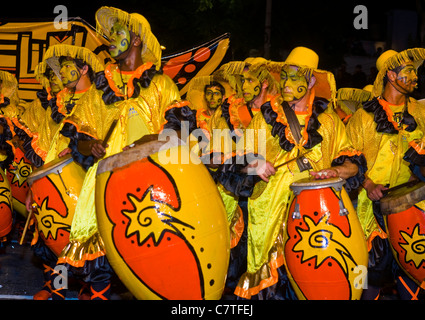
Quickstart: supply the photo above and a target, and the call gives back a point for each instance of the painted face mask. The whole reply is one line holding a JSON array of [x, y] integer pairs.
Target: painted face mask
[[213, 97], [407, 78], [69, 73], [293, 85], [120, 40], [251, 87], [56, 84]]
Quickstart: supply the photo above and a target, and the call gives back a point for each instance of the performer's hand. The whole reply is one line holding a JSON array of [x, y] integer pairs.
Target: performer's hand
[[374, 191], [64, 152], [325, 174], [262, 168], [28, 201], [97, 149]]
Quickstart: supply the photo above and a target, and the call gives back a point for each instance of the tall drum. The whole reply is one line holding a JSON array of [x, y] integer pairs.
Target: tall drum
[[163, 223], [56, 187], [404, 218], [325, 247], [5, 206]]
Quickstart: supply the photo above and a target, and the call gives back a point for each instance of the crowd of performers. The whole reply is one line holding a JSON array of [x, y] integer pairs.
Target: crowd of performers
[[371, 138]]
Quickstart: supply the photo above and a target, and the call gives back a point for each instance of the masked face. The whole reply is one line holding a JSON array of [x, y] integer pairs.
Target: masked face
[[251, 86], [69, 73], [407, 78], [213, 97], [293, 86], [120, 40], [56, 84]]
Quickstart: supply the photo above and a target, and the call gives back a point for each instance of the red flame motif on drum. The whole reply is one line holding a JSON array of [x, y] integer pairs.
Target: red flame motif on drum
[[145, 215]]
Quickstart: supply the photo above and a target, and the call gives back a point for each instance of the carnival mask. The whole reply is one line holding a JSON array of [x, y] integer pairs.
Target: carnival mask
[[214, 97], [69, 73], [293, 85], [251, 86], [120, 40]]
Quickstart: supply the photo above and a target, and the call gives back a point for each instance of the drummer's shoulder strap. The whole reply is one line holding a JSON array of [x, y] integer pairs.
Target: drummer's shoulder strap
[[294, 125]]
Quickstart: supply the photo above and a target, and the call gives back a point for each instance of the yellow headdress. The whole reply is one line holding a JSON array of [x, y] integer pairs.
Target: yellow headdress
[[233, 70], [391, 59], [52, 55], [307, 61], [107, 16], [9, 86], [195, 93], [354, 94]]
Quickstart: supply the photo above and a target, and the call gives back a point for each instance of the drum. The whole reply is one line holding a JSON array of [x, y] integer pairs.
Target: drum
[[163, 224], [5, 206], [17, 174], [404, 218], [56, 187], [325, 247]]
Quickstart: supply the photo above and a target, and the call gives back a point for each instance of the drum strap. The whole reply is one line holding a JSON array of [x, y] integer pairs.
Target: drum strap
[[294, 125]]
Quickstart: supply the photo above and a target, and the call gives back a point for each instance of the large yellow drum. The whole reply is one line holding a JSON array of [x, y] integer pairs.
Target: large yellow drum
[[164, 224], [56, 187], [325, 247]]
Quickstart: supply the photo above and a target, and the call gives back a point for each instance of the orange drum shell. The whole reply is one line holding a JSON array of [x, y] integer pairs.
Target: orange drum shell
[[316, 269], [55, 208], [406, 233], [185, 258]]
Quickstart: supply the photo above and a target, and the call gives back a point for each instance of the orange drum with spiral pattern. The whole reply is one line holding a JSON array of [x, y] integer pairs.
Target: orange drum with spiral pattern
[[325, 247]]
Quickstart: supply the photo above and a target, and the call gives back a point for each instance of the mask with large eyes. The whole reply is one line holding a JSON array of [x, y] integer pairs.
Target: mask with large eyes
[[251, 86], [120, 40], [214, 97], [293, 85], [69, 73]]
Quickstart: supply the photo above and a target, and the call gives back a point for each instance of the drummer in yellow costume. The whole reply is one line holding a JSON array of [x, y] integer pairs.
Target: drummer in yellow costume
[[76, 67], [40, 117], [308, 91], [383, 130], [136, 93]]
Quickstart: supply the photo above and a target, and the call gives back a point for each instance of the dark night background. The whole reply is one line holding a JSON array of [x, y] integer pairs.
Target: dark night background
[[324, 26]]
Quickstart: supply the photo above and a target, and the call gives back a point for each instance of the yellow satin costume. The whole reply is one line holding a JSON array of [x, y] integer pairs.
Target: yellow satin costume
[[267, 206], [136, 117], [384, 155]]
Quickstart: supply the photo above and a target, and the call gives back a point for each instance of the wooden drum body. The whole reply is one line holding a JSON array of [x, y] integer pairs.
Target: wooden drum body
[[164, 225], [405, 222], [325, 248], [5, 205], [56, 187]]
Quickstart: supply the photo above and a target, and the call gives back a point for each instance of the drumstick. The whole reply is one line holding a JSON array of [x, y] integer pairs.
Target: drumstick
[[293, 159], [109, 133], [26, 227], [406, 184]]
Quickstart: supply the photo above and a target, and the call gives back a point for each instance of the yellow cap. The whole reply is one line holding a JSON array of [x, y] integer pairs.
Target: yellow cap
[[368, 88], [384, 57], [303, 57]]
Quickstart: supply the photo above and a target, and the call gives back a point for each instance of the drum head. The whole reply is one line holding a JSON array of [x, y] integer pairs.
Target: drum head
[[311, 183], [403, 198], [136, 153], [51, 167]]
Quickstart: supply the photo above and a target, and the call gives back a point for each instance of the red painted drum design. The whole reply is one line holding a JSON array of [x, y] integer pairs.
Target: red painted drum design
[[325, 247], [17, 174], [163, 223], [404, 218], [56, 187], [5, 206]]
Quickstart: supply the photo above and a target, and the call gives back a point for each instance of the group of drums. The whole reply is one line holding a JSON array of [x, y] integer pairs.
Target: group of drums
[[166, 233]]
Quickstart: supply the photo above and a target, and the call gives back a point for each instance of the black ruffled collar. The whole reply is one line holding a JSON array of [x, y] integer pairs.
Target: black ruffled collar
[[43, 97], [6, 102], [109, 96], [381, 118], [278, 128]]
